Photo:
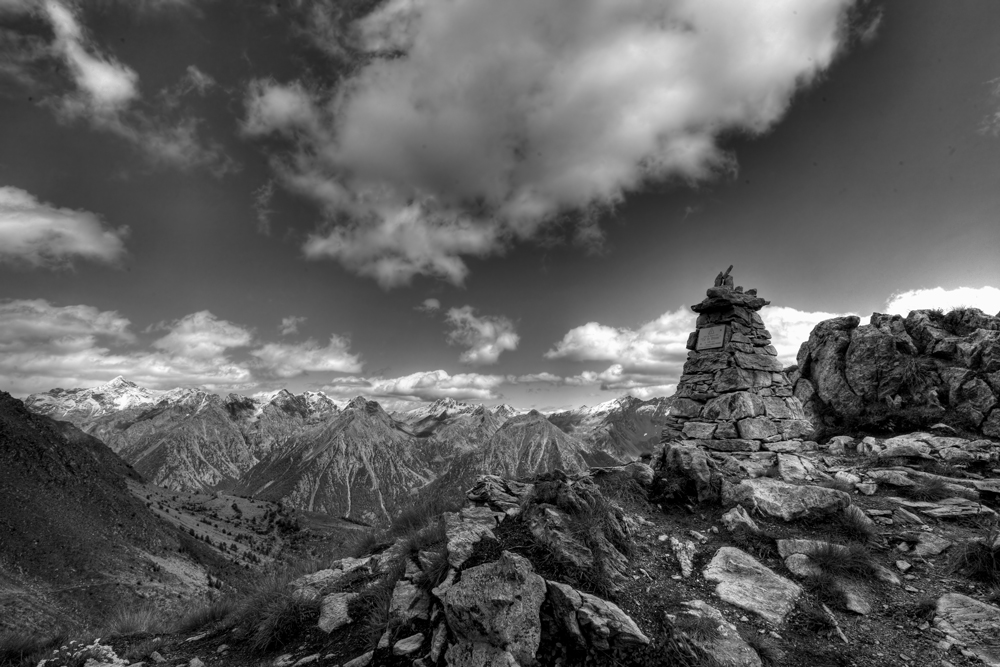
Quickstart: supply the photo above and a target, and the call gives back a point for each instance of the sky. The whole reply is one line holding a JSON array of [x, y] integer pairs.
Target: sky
[[495, 202]]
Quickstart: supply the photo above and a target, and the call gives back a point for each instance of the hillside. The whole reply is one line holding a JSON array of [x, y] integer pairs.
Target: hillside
[[74, 541]]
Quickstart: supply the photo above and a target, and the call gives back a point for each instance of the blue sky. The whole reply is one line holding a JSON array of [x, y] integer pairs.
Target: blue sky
[[489, 201]]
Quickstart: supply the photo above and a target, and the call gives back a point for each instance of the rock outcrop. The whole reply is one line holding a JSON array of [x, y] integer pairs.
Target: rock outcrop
[[733, 395], [927, 366]]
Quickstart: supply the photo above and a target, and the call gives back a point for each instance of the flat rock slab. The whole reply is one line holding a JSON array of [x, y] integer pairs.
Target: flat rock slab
[[787, 501], [975, 623], [949, 508], [745, 583], [333, 612], [929, 544]]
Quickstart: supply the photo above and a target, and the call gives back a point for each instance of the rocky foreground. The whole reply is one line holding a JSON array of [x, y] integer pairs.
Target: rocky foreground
[[858, 552]]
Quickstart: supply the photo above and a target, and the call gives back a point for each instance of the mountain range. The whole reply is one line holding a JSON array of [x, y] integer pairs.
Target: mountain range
[[352, 460]]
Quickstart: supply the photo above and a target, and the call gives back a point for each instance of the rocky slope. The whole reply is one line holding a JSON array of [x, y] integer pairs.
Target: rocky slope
[[624, 428], [74, 541], [926, 367]]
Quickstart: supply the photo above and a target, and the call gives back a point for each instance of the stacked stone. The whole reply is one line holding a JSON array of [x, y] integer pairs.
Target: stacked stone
[[733, 395]]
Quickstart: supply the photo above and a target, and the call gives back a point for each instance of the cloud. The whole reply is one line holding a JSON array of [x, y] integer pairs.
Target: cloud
[[44, 346], [290, 325], [429, 306], [471, 125], [648, 361], [986, 299], [291, 360], [105, 86], [106, 91], [537, 378], [487, 337], [421, 386], [37, 234]]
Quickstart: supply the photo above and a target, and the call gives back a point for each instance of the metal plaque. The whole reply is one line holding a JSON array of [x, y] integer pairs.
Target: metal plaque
[[711, 337]]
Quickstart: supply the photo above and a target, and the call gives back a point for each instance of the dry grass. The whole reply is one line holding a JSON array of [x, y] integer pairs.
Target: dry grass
[[269, 616], [854, 525]]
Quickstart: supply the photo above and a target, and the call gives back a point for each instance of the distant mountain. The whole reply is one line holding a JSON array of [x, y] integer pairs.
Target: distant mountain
[[361, 464], [80, 406], [186, 439], [74, 541], [623, 428]]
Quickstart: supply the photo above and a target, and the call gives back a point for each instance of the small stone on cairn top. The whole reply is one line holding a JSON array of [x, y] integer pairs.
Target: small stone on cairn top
[[733, 395]]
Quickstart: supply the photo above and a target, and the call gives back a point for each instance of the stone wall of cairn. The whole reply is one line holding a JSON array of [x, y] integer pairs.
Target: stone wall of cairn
[[733, 395]]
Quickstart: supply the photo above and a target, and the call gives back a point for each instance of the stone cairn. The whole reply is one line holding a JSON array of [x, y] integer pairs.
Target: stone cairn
[[733, 395]]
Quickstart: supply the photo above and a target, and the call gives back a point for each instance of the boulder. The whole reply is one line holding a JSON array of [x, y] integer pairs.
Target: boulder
[[971, 622], [592, 621], [550, 526], [787, 501], [745, 583], [495, 604], [802, 566]]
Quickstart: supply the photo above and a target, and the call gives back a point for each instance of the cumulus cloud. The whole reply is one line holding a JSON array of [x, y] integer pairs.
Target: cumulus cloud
[[986, 299], [202, 335], [487, 337], [473, 124], [290, 325], [290, 360], [421, 386], [44, 346], [429, 306], [37, 234]]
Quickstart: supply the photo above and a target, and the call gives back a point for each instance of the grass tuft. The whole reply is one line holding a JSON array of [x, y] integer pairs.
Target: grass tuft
[[270, 616], [697, 627], [980, 559], [756, 543], [210, 613], [927, 490], [767, 650], [854, 525], [126, 621], [854, 563]]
